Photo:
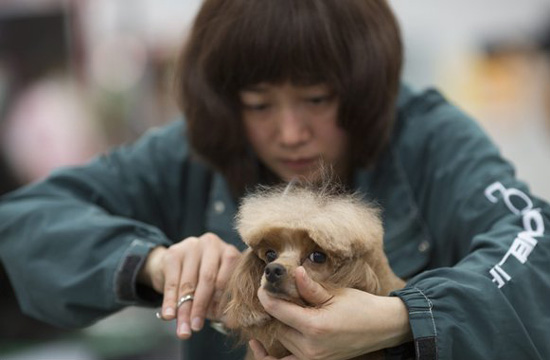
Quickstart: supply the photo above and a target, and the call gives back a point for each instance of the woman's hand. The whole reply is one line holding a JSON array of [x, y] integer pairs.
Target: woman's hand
[[343, 325], [197, 265]]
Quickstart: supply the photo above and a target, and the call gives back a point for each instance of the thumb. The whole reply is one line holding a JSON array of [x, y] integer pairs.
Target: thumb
[[311, 291]]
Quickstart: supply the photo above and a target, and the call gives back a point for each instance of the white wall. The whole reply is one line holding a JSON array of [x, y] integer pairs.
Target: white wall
[[438, 35]]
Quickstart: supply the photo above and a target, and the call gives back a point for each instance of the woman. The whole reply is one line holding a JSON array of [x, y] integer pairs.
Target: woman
[[270, 89]]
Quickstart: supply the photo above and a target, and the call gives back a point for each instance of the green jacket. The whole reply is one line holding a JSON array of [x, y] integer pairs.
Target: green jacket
[[470, 238]]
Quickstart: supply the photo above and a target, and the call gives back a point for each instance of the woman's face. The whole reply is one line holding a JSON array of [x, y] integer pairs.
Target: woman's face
[[293, 129]]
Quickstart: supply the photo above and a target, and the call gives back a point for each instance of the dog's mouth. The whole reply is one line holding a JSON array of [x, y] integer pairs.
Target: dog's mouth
[[278, 290], [275, 290]]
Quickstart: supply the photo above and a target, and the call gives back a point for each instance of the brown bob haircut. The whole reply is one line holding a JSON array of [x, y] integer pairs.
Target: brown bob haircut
[[354, 46]]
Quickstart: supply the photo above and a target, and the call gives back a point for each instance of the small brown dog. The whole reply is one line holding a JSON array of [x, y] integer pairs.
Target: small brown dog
[[336, 237]]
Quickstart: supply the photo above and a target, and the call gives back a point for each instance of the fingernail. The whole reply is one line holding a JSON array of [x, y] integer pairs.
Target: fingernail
[[184, 329], [169, 312], [196, 324]]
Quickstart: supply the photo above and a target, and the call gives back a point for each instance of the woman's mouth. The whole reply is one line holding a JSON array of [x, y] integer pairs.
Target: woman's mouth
[[299, 164]]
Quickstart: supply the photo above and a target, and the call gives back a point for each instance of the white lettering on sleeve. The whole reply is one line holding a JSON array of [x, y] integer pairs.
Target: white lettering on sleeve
[[521, 249], [499, 276], [525, 241]]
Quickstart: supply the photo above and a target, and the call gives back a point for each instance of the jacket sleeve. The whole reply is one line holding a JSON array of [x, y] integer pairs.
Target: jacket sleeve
[[73, 243], [487, 291]]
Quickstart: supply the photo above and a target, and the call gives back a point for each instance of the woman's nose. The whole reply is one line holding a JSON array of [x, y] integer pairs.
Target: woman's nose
[[293, 128]]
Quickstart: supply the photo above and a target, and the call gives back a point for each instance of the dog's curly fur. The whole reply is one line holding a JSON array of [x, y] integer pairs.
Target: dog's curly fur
[[337, 237]]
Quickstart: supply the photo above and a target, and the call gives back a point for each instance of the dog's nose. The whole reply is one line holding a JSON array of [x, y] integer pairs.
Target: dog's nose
[[274, 272]]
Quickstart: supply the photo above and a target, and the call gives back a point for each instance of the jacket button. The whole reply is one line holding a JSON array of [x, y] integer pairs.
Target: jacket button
[[219, 207], [424, 246]]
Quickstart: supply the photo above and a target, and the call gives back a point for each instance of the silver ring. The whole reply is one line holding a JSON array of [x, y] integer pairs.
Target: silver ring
[[181, 301], [184, 299]]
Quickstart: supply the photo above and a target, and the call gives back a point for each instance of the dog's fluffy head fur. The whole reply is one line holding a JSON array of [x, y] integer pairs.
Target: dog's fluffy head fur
[[337, 222]]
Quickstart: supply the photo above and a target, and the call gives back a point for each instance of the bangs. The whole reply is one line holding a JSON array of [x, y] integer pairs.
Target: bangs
[[278, 41]]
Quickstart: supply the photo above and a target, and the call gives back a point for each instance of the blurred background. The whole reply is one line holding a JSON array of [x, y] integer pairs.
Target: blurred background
[[80, 76]]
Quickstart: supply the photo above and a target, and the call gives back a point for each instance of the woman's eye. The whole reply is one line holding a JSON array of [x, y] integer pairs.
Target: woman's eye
[[256, 107], [315, 100], [317, 257], [270, 255]]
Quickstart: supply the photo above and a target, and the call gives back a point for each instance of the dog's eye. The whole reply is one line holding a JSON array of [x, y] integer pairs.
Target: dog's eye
[[317, 257], [270, 255]]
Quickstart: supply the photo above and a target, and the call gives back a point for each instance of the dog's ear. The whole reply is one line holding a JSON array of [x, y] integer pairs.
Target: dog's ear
[[371, 281], [240, 305]]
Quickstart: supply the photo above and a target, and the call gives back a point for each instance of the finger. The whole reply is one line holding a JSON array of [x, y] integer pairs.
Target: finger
[[209, 266], [171, 284], [291, 339], [228, 261], [260, 353], [257, 349], [311, 291], [183, 327], [285, 311], [187, 285]]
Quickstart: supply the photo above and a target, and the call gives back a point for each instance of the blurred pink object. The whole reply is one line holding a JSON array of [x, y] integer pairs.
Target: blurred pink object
[[47, 127]]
